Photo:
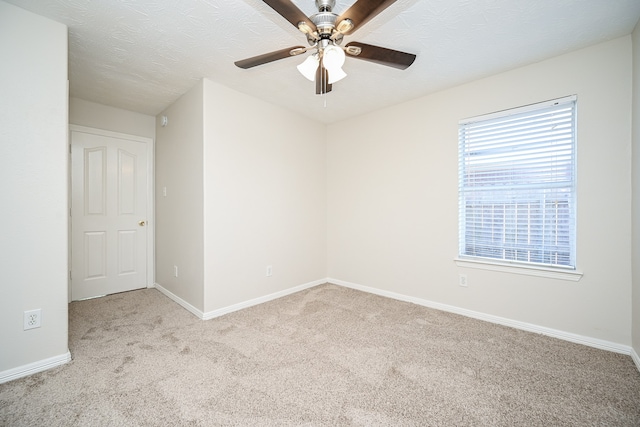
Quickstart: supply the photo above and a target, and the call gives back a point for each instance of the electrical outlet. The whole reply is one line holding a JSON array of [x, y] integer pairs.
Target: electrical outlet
[[32, 319], [269, 271], [175, 271], [462, 280]]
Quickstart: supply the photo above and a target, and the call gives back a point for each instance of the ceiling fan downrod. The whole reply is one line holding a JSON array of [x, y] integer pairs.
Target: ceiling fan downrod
[[325, 5]]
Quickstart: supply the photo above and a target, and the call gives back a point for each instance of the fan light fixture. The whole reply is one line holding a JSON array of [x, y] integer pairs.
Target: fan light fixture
[[309, 66], [332, 59]]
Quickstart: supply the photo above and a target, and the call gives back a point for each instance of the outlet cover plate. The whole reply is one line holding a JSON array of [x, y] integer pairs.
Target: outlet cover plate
[[32, 319], [463, 280]]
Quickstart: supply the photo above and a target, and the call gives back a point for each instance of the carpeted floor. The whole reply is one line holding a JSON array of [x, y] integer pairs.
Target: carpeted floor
[[325, 356]]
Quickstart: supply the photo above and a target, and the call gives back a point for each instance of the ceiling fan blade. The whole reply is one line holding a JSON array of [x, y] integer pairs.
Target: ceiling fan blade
[[290, 12], [267, 57], [380, 55], [362, 11]]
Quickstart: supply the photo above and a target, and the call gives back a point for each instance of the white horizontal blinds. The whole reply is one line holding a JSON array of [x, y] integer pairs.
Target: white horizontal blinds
[[517, 185]]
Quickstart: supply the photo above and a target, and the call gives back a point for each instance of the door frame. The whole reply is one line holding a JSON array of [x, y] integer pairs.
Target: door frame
[[151, 223]]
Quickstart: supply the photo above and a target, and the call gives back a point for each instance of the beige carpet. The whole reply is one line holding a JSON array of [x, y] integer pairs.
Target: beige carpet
[[324, 356]]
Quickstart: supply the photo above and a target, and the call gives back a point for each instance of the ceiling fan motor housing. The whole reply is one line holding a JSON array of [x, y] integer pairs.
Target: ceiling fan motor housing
[[325, 22]]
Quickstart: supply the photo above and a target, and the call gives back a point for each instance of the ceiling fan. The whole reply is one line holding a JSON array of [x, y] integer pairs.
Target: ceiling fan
[[325, 31]]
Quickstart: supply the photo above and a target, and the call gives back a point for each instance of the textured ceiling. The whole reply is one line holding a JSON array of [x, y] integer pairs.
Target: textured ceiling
[[141, 55]]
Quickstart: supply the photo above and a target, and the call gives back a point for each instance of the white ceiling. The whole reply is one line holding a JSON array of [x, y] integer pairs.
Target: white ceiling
[[141, 55]]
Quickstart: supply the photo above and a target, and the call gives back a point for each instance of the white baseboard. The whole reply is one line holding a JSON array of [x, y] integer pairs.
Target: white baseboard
[[235, 307], [635, 358], [35, 367], [263, 299], [567, 336], [180, 301]]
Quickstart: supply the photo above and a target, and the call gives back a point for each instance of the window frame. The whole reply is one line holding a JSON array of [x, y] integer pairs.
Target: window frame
[[567, 272]]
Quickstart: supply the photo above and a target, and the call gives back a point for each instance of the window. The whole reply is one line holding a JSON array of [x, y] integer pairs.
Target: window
[[517, 198]]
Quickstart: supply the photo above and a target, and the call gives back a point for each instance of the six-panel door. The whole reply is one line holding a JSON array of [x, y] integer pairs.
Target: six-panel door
[[108, 214]]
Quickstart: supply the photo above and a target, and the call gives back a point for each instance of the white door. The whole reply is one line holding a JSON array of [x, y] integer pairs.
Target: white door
[[109, 224]]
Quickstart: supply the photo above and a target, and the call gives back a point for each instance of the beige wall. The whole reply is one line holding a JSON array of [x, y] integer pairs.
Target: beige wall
[[244, 191], [90, 114], [179, 215], [33, 181], [392, 204], [265, 192], [636, 195]]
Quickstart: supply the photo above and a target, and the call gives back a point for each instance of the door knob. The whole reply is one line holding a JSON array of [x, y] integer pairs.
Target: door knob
[[141, 223]]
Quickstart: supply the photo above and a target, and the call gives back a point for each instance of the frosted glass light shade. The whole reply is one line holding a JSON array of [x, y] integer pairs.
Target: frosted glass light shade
[[309, 66], [336, 74], [333, 59]]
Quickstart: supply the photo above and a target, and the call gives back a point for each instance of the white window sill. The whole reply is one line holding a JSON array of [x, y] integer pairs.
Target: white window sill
[[551, 273]]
